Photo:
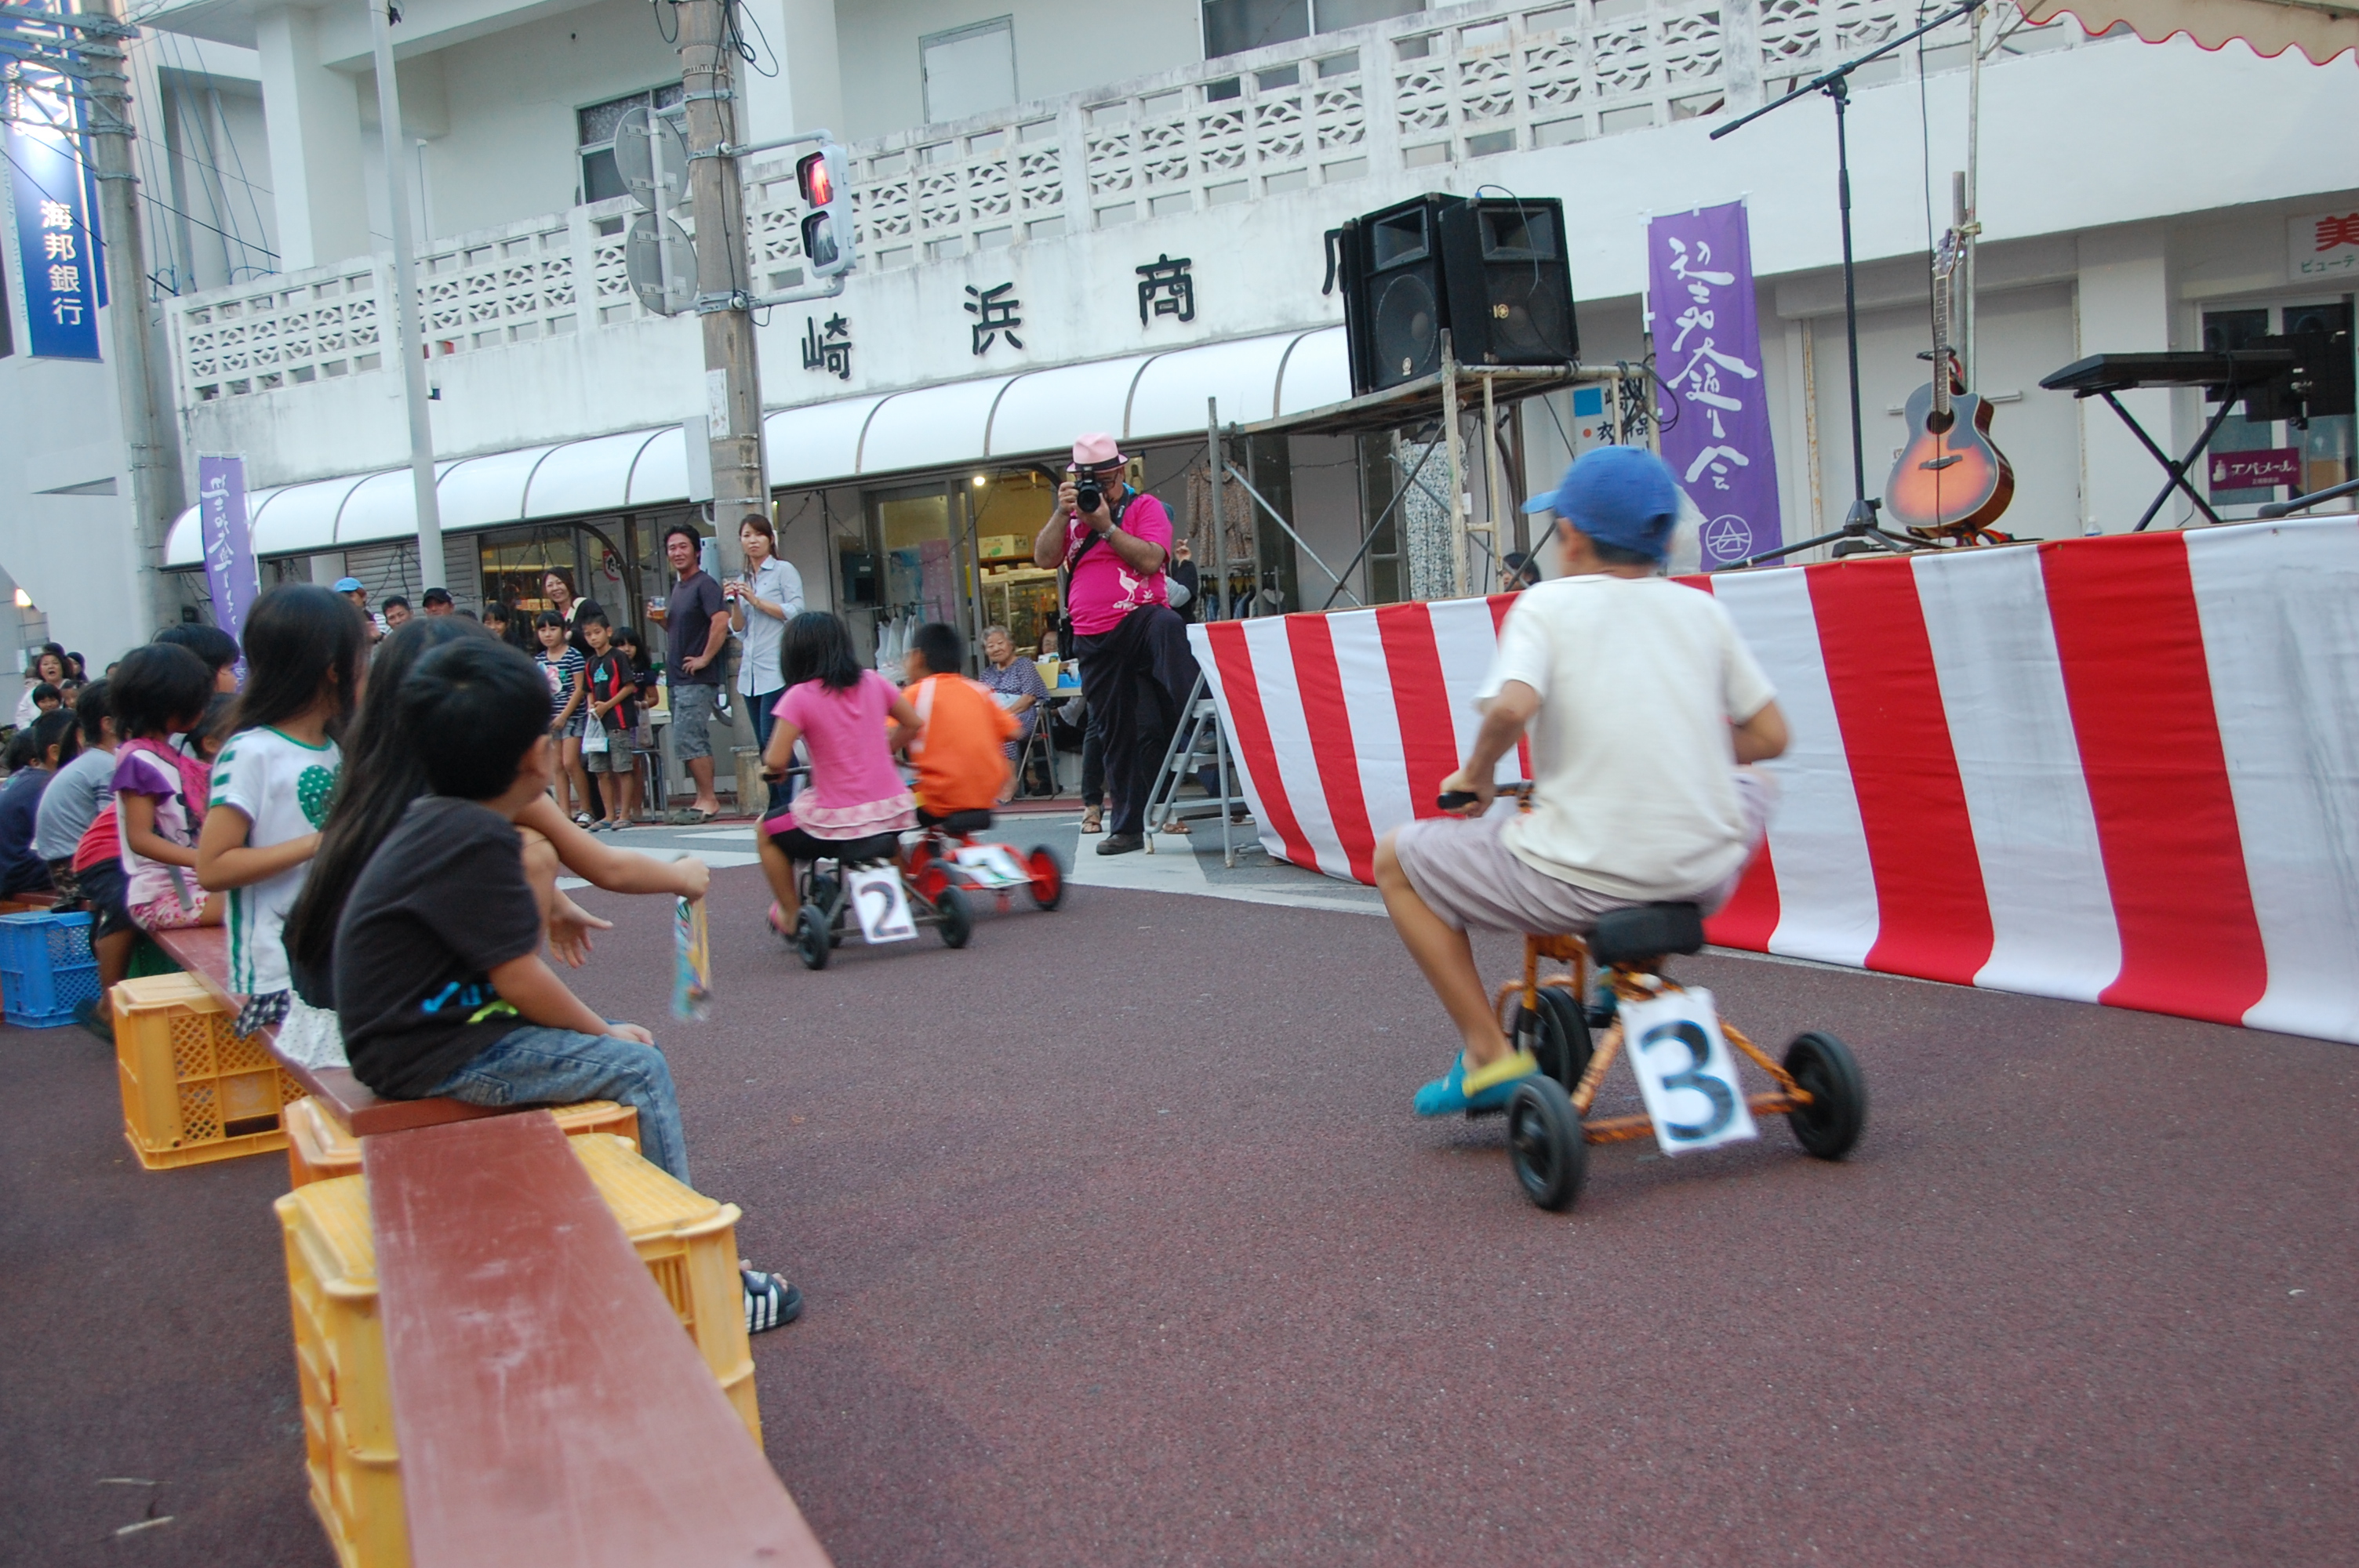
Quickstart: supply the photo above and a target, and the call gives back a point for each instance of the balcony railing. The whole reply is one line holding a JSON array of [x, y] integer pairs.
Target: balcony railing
[[1430, 88]]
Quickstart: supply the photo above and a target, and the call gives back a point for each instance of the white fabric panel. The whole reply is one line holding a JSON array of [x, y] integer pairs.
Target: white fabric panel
[[301, 518], [661, 473], [929, 428], [481, 492], [2279, 606], [1319, 372], [1826, 888], [1375, 721], [1469, 645], [585, 476], [1168, 399], [817, 442], [1044, 411], [1289, 737], [2052, 924]]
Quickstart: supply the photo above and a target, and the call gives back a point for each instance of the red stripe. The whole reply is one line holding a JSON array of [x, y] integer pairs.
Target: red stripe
[[1420, 700], [1500, 604], [1750, 917], [1249, 728], [1321, 683], [2140, 689], [1933, 913]]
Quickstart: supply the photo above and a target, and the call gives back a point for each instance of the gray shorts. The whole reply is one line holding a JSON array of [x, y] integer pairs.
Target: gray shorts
[[691, 720], [618, 758], [1467, 875]]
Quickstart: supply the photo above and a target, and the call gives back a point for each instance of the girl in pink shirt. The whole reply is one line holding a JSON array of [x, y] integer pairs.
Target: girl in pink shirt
[[851, 720]]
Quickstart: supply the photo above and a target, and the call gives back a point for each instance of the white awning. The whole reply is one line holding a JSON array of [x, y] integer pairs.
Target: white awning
[[1139, 398]]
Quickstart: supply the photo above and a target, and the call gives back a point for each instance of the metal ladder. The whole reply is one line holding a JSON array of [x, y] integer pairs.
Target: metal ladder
[[1198, 742]]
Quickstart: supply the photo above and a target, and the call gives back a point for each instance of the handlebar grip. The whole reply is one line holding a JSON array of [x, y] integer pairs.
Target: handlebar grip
[[1456, 799]]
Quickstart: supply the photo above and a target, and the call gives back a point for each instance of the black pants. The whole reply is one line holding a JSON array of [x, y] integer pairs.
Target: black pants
[[1136, 676]]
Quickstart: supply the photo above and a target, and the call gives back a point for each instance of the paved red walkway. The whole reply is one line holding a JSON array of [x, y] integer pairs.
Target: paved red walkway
[[1122, 1248]]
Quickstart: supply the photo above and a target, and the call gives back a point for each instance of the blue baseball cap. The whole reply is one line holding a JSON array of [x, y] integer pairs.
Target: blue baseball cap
[[349, 585], [1618, 495]]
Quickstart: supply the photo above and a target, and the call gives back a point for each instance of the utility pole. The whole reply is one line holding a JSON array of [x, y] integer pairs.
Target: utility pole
[[155, 466], [410, 331], [732, 373]]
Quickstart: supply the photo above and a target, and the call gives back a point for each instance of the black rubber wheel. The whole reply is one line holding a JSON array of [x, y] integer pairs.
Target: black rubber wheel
[[821, 891], [1545, 1140], [1047, 877], [1558, 1036], [811, 943], [958, 920], [1837, 1113]]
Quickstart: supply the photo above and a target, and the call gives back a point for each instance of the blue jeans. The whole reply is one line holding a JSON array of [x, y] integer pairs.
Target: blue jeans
[[759, 706], [533, 1066]]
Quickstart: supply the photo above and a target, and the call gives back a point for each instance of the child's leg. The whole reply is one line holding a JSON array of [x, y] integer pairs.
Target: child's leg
[[577, 772], [777, 868], [113, 953], [533, 1066]]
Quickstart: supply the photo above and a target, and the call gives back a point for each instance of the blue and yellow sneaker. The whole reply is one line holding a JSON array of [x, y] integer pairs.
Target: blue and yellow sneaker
[[1486, 1089]]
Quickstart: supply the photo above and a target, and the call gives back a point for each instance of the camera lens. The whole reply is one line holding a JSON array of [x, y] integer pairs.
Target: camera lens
[[1087, 495]]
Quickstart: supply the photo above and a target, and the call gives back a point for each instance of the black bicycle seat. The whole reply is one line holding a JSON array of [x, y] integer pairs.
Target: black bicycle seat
[[1648, 932], [958, 823], [874, 850]]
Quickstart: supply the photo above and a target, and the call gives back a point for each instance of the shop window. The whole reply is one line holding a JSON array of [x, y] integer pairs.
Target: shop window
[[1233, 26], [968, 71], [594, 132], [2312, 439]]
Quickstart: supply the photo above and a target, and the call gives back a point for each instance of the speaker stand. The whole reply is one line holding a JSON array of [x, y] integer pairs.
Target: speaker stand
[[1859, 523]]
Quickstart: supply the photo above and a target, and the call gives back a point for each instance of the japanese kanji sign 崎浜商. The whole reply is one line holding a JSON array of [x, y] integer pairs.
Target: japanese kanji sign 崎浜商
[[1715, 424]]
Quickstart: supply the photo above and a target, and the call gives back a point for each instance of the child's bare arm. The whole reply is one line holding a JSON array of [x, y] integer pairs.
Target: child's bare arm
[[906, 722], [616, 871], [780, 752], [1761, 737], [532, 988], [138, 818], [224, 860]]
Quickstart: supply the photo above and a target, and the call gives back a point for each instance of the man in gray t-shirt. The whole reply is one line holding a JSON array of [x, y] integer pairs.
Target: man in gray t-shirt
[[696, 629]]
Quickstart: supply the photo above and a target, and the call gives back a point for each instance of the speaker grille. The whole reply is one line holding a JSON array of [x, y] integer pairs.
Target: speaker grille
[[1407, 330], [1527, 311]]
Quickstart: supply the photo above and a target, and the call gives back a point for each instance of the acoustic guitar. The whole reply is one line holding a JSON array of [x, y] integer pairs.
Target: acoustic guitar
[[1950, 480]]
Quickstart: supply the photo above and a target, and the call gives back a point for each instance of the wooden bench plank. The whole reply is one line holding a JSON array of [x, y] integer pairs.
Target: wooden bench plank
[[203, 952], [546, 1405]]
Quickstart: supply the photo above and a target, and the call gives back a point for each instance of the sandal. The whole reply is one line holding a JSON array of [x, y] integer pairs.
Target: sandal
[[1093, 820], [770, 1302]]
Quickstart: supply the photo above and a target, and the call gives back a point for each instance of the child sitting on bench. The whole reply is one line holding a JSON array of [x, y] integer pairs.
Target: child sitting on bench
[[439, 986], [960, 751], [1642, 703]]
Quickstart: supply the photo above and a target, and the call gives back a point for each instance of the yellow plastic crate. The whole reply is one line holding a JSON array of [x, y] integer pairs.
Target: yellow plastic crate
[[318, 1149], [688, 1241], [193, 1091]]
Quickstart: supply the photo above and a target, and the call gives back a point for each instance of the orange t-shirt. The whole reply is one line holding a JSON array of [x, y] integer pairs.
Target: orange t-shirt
[[959, 763]]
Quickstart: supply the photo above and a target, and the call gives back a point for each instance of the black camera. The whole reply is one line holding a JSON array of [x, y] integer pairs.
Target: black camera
[[1088, 495]]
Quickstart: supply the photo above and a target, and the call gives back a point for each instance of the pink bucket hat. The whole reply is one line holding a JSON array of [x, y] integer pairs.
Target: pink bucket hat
[[1095, 451]]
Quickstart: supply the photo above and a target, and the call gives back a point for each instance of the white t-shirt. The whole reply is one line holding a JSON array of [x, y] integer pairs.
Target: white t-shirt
[[1633, 764], [282, 787]]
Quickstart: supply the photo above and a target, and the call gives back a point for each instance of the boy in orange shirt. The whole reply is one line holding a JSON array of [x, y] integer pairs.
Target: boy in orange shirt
[[958, 756]]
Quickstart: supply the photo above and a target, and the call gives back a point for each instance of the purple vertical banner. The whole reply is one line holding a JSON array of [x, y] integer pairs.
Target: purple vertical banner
[[230, 571], [1716, 427]]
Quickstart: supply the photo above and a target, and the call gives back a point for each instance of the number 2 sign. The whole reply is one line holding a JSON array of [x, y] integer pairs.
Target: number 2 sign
[[883, 908], [1685, 1073]]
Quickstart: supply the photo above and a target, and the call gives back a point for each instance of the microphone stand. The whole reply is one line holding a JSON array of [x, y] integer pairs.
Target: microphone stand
[[1859, 523]]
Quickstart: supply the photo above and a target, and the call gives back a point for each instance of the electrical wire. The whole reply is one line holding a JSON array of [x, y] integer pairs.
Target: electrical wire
[[672, 37], [151, 199]]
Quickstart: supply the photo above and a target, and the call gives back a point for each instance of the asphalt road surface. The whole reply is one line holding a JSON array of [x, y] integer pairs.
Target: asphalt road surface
[[1121, 1246]]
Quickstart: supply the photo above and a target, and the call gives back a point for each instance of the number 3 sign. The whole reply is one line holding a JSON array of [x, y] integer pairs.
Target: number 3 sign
[[1685, 1072]]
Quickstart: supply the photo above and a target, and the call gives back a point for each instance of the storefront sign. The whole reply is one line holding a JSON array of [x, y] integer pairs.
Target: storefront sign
[[1166, 287], [230, 570], [994, 310], [2322, 246], [828, 348], [55, 246], [2256, 470], [1715, 429]]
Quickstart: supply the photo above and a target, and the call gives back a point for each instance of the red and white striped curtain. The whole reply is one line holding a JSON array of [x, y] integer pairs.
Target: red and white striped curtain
[[2122, 769]]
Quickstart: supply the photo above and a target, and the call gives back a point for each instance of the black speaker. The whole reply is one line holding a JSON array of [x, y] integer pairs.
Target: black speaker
[[1510, 289], [1396, 303]]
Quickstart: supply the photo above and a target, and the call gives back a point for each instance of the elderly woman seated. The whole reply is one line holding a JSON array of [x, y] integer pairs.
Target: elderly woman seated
[[1016, 682]]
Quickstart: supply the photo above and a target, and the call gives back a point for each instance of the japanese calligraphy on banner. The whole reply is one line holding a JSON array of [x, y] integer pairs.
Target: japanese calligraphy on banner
[[230, 571], [1715, 426], [55, 246]]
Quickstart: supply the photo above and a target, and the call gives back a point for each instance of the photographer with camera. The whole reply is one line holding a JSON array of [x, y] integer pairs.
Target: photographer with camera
[[1114, 542]]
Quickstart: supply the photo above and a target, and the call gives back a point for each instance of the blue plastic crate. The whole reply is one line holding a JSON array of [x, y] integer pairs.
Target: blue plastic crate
[[47, 969]]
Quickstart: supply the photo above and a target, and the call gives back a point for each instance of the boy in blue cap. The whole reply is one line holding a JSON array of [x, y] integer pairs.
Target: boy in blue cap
[[1644, 705]]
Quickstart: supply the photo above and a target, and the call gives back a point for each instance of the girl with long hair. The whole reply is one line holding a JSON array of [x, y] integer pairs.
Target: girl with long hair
[[305, 649]]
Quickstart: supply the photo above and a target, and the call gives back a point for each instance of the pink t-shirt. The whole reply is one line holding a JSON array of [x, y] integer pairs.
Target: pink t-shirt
[[854, 789], [1103, 589]]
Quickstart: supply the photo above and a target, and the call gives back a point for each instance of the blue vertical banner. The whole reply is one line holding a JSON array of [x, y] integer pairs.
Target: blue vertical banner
[[1715, 426], [230, 571], [56, 246]]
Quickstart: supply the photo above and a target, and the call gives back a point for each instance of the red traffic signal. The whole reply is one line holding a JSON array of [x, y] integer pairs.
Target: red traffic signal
[[827, 190], [817, 179]]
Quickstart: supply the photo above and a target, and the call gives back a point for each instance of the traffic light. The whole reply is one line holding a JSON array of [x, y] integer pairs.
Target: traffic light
[[827, 231]]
